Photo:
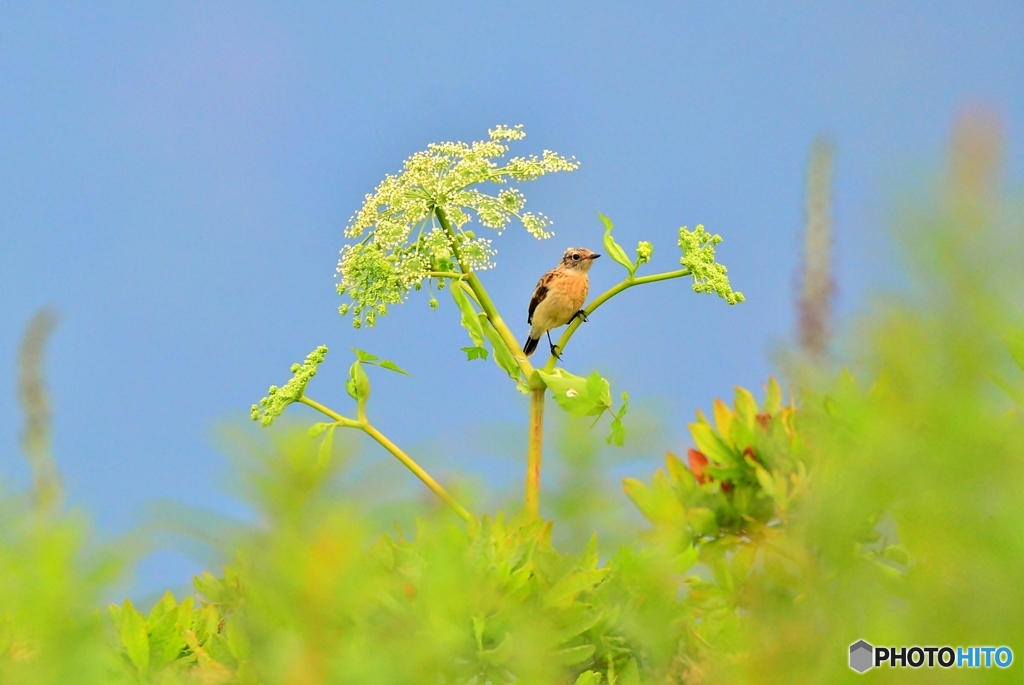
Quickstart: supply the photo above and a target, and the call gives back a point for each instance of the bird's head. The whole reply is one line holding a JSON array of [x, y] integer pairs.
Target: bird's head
[[579, 258]]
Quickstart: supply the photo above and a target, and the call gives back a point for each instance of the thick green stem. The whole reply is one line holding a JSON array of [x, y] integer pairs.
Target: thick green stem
[[535, 453], [534, 450], [604, 297], [364, 425]]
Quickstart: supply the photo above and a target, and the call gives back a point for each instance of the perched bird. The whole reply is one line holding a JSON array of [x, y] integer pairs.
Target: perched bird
[[559, 297]]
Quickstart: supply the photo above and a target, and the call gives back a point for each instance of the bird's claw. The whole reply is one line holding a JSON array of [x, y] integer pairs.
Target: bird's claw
[[554, 352], [581, 315]]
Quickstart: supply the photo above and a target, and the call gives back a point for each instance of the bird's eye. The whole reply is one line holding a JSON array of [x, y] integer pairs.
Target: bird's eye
[[575, 256]]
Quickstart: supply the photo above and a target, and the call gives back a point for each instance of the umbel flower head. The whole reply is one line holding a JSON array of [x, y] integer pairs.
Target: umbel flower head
[[699, 257], [400, 240]]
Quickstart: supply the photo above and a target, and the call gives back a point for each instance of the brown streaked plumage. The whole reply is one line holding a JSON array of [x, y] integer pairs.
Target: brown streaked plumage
[[559, 296]]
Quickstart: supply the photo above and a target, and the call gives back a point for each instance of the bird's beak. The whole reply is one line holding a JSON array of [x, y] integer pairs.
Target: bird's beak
[[593, 256]]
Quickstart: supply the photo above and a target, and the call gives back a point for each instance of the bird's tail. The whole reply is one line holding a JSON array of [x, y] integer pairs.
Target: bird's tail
[[531, 345]]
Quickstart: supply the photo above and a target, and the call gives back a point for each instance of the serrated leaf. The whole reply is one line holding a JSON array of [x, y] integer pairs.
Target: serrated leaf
[[316, 429], [589, 678], [134, 637], [165, 605], [364, 356], [470, 320], [746, 407], [723, 416], [576, 395], [613, 249], [578, 620], [391, 366], [575, 655], [765, 479], [702, 520], [475, 353], [563, 593], [712, 446], [210, 587], [165, 640], [630, 674], [617, 436], [641, 496]]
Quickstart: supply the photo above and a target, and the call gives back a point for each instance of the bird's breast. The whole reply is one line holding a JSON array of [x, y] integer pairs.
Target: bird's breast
[[564, 298]]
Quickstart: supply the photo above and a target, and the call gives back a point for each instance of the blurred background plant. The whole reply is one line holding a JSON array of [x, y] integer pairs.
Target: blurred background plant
[[879, 504]]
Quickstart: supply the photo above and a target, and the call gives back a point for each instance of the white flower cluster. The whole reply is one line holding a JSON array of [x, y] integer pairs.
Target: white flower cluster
[[401, 241]]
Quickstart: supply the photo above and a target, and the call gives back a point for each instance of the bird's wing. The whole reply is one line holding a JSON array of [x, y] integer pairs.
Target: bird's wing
[[539, 294]]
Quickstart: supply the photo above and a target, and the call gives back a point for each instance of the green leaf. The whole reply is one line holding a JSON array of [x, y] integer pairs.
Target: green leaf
[[326, 449], [134, 637], [317, 428], [630, 674], [238, 641], [589, 678], [358, 385], [502, 357], [702, 520], [475, 353], [210, 587], [577, 395], [613, 249], [563, 593], [773, 397], [391, 366], [711, 445], [577, 620], [470, 321], [617, 436], [765, 480], [165, 640], [364, 356], [746, 406], [575, 655], [658, 504]]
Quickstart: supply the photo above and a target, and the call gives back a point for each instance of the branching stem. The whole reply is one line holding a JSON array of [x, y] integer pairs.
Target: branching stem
[[364, 425], [534, 450], [604, 297]]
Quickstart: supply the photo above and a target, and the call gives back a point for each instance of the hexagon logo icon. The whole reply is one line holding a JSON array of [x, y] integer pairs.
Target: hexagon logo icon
[[860, 656]]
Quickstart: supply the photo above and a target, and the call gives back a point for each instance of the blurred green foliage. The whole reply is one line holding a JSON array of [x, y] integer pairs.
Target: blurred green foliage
[[882, 504]]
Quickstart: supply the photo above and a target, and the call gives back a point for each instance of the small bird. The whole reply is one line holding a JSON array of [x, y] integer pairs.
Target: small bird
[[559, 297]]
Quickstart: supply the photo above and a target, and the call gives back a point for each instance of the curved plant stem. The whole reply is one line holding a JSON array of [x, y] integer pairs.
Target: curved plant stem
[[410, 464], [604, 297], [364, 425], [341, 420]]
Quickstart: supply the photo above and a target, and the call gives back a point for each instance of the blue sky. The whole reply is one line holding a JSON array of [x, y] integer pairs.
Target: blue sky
[[175, 179]]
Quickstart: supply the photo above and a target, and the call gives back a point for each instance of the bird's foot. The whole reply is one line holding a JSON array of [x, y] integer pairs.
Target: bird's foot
[[554, 352], [580, 314]]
